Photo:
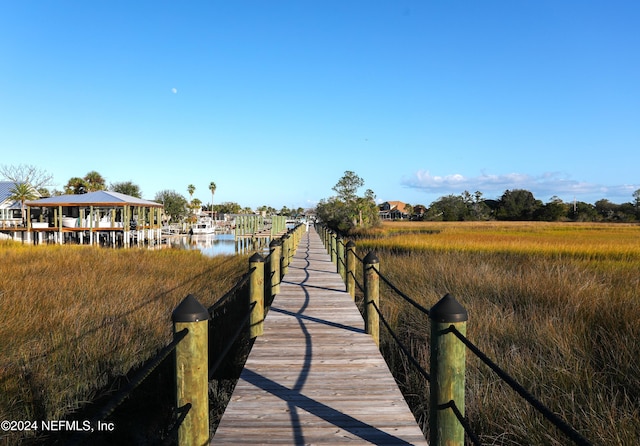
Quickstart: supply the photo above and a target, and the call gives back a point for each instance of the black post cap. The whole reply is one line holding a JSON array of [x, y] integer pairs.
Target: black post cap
[[275, 242], [190, 310], [256, 258], [448, 309], [370, 258], [351, 244]]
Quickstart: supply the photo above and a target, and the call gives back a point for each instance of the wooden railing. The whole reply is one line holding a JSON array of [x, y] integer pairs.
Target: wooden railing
[[191, 342], [448, 346]]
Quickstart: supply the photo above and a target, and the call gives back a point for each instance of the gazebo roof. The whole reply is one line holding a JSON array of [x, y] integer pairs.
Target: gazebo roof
[[99, 198]]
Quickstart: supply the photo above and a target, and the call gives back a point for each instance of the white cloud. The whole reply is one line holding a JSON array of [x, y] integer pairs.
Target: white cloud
[[174, 90], [542, 186]]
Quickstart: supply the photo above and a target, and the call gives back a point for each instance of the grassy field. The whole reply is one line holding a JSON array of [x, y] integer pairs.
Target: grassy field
[[556, 305], [77, 317]]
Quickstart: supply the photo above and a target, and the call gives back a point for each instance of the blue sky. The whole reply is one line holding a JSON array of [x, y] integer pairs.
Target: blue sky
[[275, 100]]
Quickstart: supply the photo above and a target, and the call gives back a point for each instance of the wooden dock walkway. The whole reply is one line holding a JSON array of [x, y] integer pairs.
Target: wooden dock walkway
[[316, 377]]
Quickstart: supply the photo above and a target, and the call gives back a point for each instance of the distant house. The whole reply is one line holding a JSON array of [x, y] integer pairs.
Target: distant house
[[419, 211], [393, 210], [10, 210]]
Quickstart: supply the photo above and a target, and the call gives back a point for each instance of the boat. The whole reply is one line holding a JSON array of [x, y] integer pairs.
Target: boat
[[204, 225], [69, 222]]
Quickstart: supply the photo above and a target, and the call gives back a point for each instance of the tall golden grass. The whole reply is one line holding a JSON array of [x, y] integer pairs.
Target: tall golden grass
[[556, 305], [75, 317]]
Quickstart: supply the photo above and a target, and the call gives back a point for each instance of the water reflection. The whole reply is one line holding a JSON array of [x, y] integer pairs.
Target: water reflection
[[218, 244], [209, 244]]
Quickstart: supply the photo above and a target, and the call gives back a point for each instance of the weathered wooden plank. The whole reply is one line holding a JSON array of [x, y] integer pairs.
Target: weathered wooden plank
[[315, 376]]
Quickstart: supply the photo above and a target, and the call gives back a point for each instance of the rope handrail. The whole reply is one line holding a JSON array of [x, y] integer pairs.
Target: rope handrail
[[464, 421], [558, 422], [358, 257], [152, 364], [401, 294], [355, 280], [140, 376], [569, 431], [182, 414], [243, 280], [230, 343], [403, 348]]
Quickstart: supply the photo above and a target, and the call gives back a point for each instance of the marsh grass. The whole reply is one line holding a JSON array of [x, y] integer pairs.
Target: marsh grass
[[75, 318], [556, 306]]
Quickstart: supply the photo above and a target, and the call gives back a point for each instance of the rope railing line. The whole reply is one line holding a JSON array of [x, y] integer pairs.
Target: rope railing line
[[152, 364], [558, 422], [243, 280], [358, 257], [569, 431], [463, 421], [403, 348], [230, 343], [182, 414], [355, 280], [140, 376], [401, 294]]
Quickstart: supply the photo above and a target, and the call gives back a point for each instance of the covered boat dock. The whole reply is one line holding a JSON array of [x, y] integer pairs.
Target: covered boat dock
[[104, 217]]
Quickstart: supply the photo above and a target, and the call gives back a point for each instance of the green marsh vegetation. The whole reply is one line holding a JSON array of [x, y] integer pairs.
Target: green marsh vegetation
[[77, 319], [556, 305]]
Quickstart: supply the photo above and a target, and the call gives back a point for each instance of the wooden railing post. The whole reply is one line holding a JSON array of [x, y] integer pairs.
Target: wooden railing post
[[284, 269], [298, 233], [294, 237], [351, 268], [340, 258], [274, 266], [256, 295], [371, 266], [447, 365], [333, 247], [325, 238], [192, 371]]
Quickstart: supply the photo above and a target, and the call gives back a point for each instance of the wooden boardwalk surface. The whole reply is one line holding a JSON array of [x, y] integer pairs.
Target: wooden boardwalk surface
[[316, 377]]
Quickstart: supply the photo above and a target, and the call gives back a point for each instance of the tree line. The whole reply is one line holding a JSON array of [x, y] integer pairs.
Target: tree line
[[347, 211], [30, 181], [521, 205]]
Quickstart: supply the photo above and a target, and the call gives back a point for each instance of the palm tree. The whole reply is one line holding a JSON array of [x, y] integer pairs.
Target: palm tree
[[76, 185], [191, 189], [22, 192], [212, 188], [95, 181]]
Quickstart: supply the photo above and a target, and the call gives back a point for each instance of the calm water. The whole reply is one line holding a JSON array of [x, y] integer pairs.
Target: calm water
[[209, 244], [217, 244]]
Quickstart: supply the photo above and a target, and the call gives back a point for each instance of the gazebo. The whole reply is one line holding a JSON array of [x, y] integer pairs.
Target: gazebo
[[101, 216]]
